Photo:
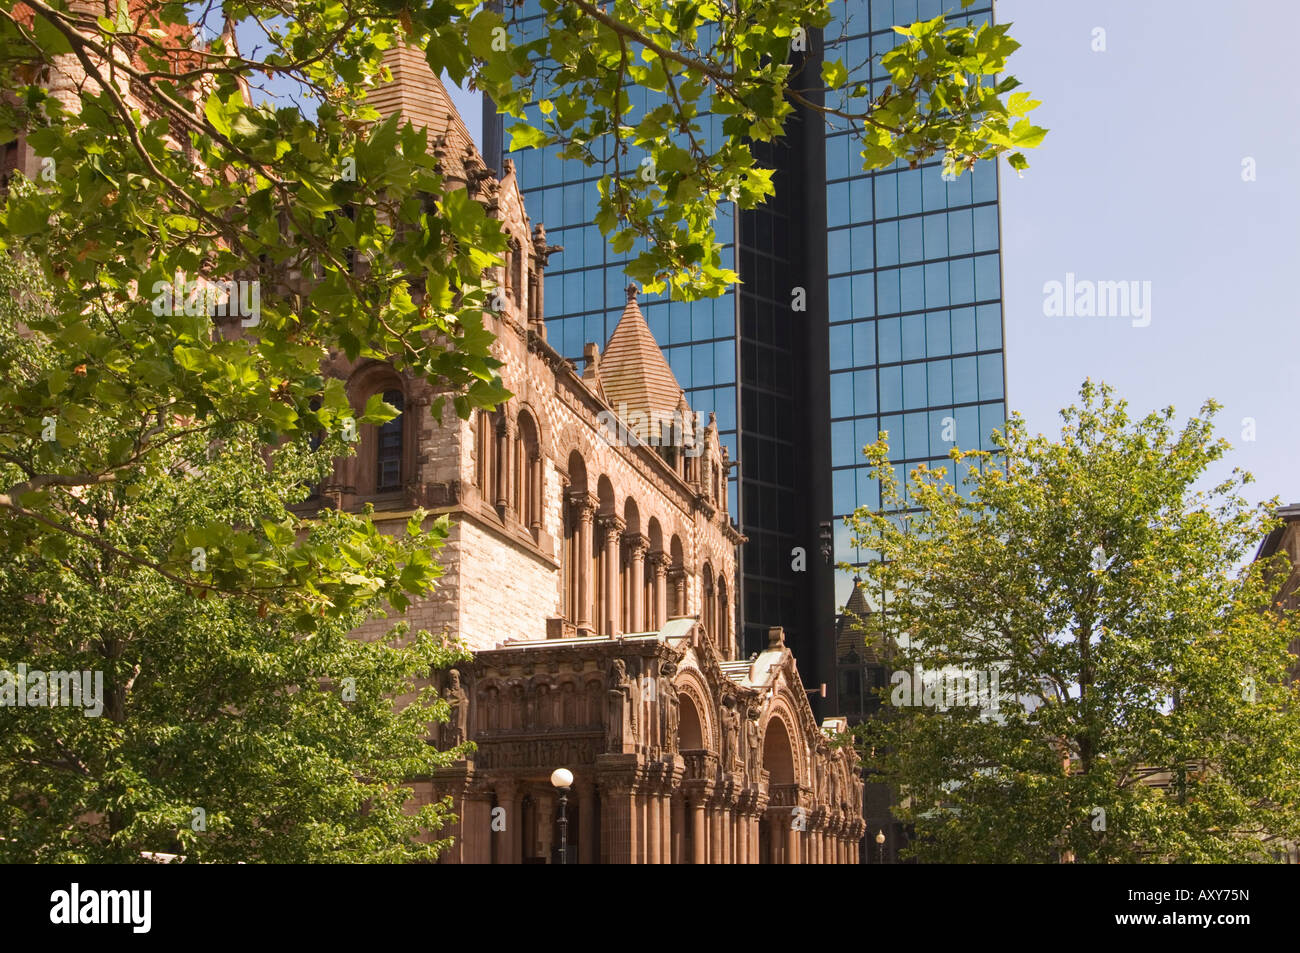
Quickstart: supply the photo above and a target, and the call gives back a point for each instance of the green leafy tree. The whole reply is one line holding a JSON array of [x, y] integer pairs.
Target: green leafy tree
[[1143, 711], [212, 728], [160, 157], [132, 419]]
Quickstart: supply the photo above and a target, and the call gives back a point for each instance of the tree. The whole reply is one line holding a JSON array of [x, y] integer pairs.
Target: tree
[[175, 181], [159, 166], [1082, 663], [207, 727]]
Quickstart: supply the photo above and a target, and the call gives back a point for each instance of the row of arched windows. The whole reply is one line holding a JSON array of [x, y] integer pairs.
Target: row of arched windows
[[508, 467], [622, 576], [617, 574]]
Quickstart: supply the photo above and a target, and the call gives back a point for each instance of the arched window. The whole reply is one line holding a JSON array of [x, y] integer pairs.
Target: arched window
[[528, 476], [709, 606], [388, 469], [569, 584], [500, 461], [490, 451], [483, 453], [725, 636]]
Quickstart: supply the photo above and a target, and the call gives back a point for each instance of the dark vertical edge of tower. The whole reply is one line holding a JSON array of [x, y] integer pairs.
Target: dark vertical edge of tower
[[494, 127], [815, 470]]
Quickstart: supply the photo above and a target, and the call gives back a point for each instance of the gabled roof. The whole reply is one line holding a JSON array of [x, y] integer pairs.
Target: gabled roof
[[633, 373], [1288, 514]]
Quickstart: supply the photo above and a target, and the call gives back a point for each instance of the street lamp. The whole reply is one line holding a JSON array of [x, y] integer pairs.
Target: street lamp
[[880, 847], [562, 780]]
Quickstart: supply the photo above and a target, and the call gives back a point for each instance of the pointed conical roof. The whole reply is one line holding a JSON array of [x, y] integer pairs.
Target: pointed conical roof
[[850, 636], [633, 371]]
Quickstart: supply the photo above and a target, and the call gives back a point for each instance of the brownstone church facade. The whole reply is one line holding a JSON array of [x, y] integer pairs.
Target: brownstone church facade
[[591, 570]]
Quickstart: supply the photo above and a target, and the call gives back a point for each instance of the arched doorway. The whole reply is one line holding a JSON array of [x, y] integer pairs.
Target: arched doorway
[[778, 761], [691, 743]]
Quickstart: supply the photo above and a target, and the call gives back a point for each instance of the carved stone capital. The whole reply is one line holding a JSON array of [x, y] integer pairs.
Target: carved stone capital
[[584, 503], [611, 523], [637, 545]]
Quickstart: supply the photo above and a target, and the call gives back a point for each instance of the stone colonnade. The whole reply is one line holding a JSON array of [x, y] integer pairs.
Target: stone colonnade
[[639, 812]]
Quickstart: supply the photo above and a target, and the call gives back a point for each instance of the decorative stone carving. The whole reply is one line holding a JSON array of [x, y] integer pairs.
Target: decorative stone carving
[[731, 735], [753, 749], [456, 730], [618, 705], [669, 706]]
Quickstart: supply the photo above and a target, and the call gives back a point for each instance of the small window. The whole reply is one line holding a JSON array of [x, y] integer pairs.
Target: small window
[[389, 471]]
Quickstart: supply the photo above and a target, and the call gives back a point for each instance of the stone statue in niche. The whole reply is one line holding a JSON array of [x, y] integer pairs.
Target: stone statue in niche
[[530, 708], [731, 734], [754, 752], [618, 706], [456, 730], [668, 706]]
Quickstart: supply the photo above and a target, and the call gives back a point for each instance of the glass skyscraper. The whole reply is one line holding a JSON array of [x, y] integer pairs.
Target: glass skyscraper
[[914, 303], [902, 332]]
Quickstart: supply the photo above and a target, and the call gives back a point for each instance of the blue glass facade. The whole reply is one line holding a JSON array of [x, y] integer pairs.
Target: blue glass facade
[[914, 297], [903, 331]]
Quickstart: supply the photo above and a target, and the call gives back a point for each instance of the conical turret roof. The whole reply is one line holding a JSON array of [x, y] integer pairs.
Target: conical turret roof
[[634, 374]]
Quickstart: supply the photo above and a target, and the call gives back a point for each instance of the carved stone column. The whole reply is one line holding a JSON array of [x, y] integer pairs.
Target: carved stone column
[[775, 838], [508, 840], [637, 546], [588, 836], [476, 825], [546, 814], [654, 818], [537, 505], [666, 828], [715, 833], [699, 829], [618, 822], [679, 829], [612, 526], [677, 576], [659, 561], [505, 446], [791, 843], [584, 505], [728, 833]]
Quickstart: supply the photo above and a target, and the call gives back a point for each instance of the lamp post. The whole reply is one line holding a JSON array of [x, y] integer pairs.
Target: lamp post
[[880, 847], [562, 780]]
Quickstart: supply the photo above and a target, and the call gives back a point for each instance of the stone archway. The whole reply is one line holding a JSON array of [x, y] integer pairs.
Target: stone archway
[[690, 730], [780, 833], [690, 803]]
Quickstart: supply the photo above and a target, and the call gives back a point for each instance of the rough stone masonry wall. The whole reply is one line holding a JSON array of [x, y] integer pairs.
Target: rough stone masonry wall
[[504, 592]]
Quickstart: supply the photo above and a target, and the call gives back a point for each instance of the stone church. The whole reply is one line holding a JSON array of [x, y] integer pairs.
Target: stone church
[[591, 570]]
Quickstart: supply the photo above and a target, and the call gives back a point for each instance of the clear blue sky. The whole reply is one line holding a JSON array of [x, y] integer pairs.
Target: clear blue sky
[[1140, 180]]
